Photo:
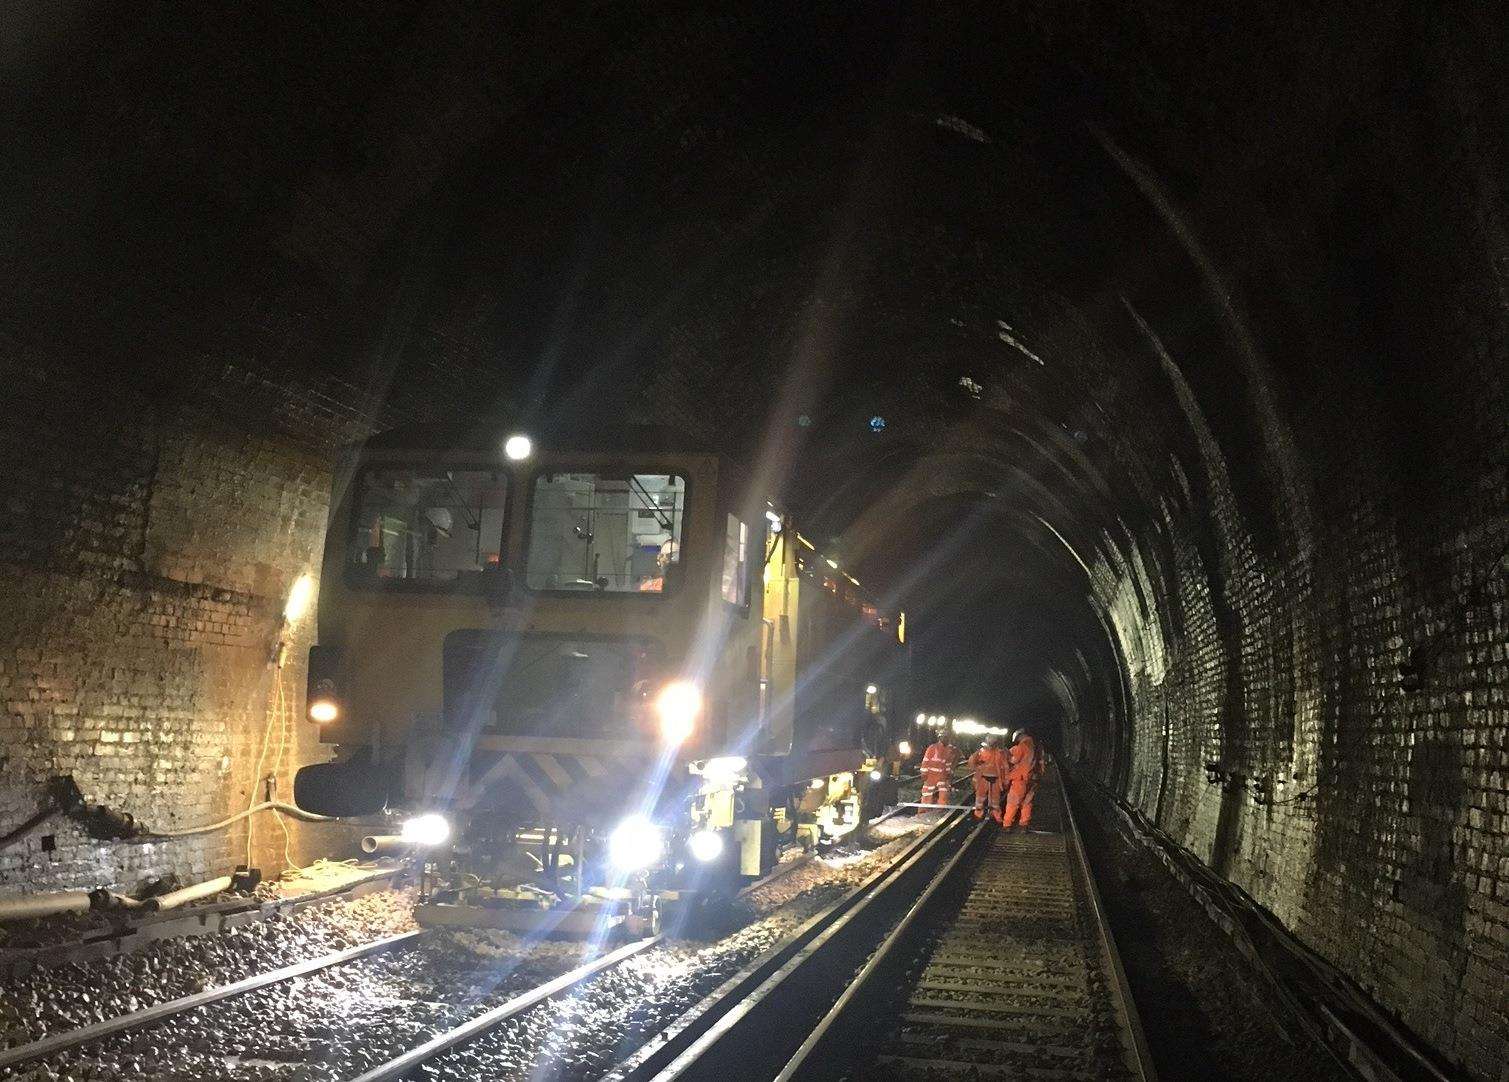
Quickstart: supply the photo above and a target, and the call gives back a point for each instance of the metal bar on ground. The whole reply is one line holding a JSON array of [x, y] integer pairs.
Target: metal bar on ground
[[48, 1046], [936, 807], [398, 1067]]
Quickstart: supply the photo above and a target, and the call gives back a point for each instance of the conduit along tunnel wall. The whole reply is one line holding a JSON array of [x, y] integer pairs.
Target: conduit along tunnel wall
[[1155, 366]]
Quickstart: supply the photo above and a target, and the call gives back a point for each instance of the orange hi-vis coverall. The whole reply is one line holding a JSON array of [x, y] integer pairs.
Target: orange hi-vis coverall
[[989, 765], [1024, 767], [938, 772]]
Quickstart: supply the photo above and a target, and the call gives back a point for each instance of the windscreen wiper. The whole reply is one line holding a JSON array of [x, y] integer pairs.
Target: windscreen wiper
[[666, 524]]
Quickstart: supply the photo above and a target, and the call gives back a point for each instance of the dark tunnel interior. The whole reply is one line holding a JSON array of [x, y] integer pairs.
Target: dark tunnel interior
[[1152, 358]]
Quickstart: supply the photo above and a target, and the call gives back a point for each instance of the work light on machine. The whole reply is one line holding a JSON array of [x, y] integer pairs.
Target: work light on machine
[[635, 844], [876, 775], [677, 707], [905, 747], [724, 770], [705, 845], [774, 520], [428, 829], [323, 707]]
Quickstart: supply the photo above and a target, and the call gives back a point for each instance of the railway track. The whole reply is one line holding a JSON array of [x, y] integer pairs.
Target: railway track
[[19, 1057], [24, 1054], [975, 951], [999, 965]]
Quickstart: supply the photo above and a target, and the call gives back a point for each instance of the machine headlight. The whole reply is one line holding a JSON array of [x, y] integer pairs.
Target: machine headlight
[[706, 845], [724, 770], [905, 747], [430, 829], [635, 844], [678, 706], [876, 775], [518, 448]]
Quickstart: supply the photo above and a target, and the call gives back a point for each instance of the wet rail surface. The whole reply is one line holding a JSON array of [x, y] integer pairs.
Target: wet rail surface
[[999, 964]]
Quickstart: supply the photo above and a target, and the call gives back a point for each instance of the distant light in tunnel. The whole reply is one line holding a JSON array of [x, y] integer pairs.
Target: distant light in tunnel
[[804, 421], [518, 448], [877, 423]]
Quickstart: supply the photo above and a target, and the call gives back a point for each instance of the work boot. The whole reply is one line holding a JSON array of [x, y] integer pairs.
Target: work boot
[[979, 814]]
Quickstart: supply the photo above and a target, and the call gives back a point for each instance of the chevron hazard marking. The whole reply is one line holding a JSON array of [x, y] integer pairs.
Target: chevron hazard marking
[[553, 770]]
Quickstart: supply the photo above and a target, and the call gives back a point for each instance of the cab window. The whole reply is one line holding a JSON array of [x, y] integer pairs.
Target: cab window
[[605, 533], [426, 525], [736, 562]]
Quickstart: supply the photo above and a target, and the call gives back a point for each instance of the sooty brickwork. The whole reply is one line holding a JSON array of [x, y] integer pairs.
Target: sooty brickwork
[[146, 552], [1319, 688]]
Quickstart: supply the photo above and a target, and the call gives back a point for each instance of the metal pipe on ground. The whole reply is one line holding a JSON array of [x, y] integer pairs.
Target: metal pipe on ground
[[44, 905], [175, 898], [384, 845]]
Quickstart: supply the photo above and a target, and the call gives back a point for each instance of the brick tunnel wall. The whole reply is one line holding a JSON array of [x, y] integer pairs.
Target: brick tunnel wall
[[1282, 571], [148, 547], [1267, 617]]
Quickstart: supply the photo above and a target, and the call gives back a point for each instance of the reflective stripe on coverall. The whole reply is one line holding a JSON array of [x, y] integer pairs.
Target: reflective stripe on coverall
[[989, 765], [937, 772], [1024, 768]]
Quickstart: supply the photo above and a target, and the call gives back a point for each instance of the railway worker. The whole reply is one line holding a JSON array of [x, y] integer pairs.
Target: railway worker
[[989, 765], [669, 553], [1024, 766], [938, 763]]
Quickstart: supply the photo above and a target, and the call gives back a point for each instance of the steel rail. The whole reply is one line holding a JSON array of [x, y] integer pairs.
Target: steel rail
[[679, 1048], [401, 1065], [798, 1061], [48, 1046], [822, 1054], [1122, 1002]]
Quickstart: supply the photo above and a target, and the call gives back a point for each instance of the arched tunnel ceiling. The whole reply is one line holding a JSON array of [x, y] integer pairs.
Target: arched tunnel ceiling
[[770, 225]]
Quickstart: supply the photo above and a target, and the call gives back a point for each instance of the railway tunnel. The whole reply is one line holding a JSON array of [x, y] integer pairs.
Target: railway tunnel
[[1153, 361]]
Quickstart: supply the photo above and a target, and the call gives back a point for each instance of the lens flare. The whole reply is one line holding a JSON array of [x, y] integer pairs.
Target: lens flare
[[635, 844], [706, 845]]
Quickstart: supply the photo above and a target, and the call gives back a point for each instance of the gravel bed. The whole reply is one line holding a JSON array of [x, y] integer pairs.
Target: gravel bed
[[583, 1035], [55, 999], [337, 1023]]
